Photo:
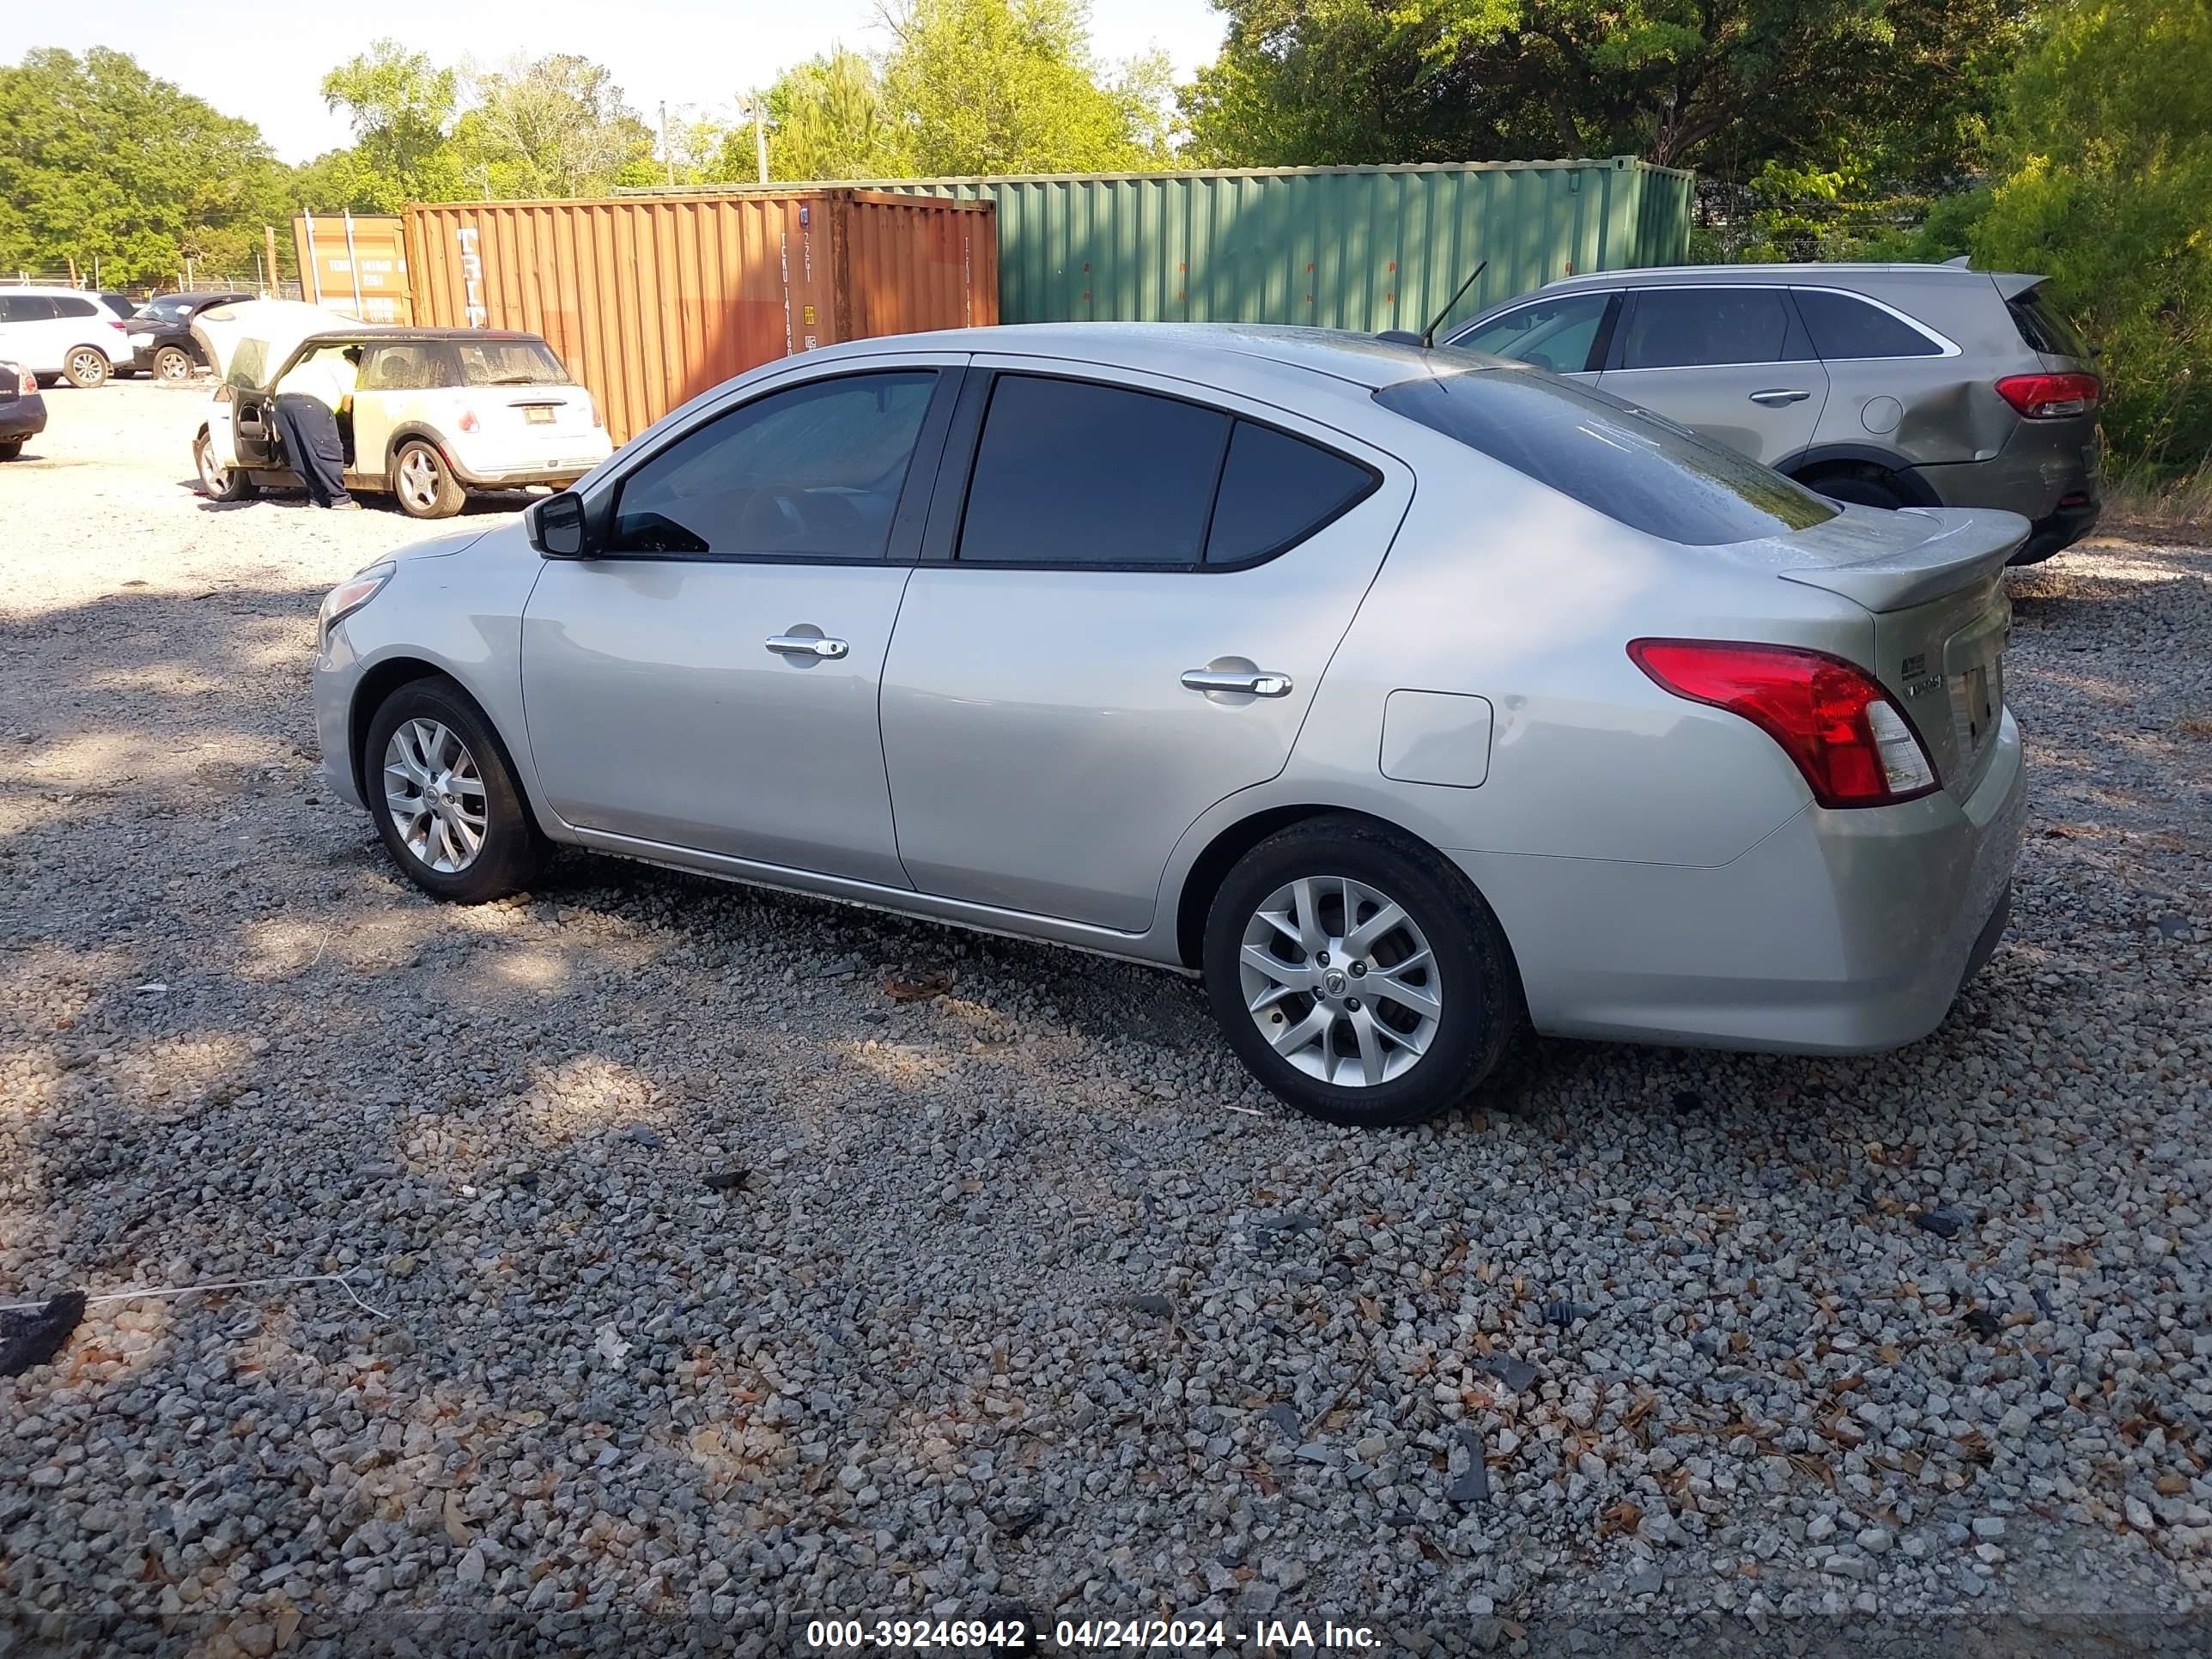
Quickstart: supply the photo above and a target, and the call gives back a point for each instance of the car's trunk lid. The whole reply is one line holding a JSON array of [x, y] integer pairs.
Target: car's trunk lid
[[1934, 578]]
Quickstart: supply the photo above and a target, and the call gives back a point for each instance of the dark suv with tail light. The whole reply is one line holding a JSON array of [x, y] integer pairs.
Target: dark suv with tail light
[[1887, 385]]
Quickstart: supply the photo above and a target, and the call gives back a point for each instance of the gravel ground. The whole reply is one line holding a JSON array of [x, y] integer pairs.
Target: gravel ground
[[716, 1288]]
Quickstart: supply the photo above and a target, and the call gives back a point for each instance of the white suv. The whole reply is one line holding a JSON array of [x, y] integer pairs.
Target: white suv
[[61, 334], [435, 412]]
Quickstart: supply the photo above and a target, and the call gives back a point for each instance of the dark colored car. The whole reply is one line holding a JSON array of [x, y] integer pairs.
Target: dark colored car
[[22, 410], [162, 343]]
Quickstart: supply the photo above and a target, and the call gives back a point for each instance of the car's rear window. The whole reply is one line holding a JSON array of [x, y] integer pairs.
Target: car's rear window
[[510, 362], [2044, 327], [1627, 463]]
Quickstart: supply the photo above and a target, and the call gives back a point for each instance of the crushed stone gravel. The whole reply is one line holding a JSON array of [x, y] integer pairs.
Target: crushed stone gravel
[[724, 1293]]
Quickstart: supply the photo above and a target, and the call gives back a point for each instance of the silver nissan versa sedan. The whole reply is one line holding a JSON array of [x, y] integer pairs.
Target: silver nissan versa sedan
[[1406, 695]]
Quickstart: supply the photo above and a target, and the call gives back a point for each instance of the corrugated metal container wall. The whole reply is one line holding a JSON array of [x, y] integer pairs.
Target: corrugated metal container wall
[[355, 264], [650, 302], [1362, 248]]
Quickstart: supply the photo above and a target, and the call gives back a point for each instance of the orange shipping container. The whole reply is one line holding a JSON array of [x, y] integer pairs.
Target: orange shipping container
[[651, 301], [353, 263]]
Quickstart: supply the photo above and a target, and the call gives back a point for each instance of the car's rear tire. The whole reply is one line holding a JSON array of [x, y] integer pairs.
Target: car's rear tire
[[171, 364], [444, 796], [1861, 486], [1360, 977], [425, 485], [86, 366], [11, 447], [219, 484]]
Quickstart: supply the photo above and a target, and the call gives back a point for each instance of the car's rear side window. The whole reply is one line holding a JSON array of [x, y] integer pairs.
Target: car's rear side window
[[67, 307], [1705, 327], [1844, 327], [1276, 490], [1075, 472], [510, 362], [2044, 328], [1627, 464]]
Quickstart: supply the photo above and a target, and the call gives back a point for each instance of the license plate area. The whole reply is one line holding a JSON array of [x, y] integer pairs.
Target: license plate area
[[1977, 706], [538, 414]]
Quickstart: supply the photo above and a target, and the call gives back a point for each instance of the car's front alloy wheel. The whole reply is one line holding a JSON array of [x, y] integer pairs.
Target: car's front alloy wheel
[[172, 363], [1359, 977], [444, 796], [218, 482]]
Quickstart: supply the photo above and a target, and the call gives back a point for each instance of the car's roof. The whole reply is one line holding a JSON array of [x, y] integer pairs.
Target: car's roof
[[1804, 273], [404, 334], [49, 290], [1174, 348]]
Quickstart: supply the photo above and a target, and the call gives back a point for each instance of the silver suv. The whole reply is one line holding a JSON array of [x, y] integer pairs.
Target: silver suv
[[1889, 386]]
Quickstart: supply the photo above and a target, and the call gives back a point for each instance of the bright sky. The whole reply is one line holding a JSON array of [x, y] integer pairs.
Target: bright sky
[[264, 63]]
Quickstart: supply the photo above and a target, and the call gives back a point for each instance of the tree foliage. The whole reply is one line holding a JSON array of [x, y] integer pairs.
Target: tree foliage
[[402, 106], [1725, 85], [552, 126], [2106, 146], [99, 161], [830, 120]]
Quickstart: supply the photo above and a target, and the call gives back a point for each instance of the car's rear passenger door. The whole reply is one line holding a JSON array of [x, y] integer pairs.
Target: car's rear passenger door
[[1730, 361], [1128, 592], [708, 682]]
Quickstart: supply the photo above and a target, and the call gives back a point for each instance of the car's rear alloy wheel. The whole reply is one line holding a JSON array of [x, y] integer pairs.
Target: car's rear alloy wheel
[[445, 799], [424, 483], [218, 482], [1359, 977], [172, 363], [87, 368]]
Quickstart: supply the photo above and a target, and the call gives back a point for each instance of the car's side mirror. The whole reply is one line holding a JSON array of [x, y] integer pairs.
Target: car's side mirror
[[558, 527]]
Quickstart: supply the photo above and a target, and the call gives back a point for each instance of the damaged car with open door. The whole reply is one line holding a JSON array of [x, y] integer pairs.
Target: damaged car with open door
[[434, 415]]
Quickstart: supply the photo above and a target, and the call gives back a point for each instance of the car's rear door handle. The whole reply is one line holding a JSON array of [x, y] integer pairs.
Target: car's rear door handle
[[1780, 395], [1255, 681], [806, 645]]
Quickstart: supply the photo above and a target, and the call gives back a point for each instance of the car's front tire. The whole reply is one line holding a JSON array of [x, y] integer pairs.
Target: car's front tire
[[1360, 977], [219, 484], [172, 364], [444, 796], [86, 366], [425, 485]]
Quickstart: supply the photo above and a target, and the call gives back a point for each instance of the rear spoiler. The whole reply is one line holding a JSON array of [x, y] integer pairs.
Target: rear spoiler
[[2012, 283], [1962, 549]]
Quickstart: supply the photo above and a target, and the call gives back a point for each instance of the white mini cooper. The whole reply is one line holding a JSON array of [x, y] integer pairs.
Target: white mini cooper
[[435, 412]]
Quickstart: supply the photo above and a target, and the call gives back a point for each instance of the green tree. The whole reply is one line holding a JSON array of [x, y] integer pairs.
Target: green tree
[[2105, 186], [1010, 86], [1726, 85], [552, 126], [829, 120], [402, 106], [99, 161]]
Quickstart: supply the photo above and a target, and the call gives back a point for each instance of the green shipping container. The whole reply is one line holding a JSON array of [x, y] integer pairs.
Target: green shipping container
[[1361, 248]]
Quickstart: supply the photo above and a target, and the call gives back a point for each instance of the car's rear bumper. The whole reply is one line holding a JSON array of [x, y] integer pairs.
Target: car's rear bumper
[[2060, 528], [1840, 932], [22, 418]]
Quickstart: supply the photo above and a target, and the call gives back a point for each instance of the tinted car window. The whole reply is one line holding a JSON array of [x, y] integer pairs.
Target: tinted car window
[[1698, 327], [1843, 327], [1276, 490], [1629, 464], [73, 307], [1071, 473], [2042, 327], [26, 308], [1554, 334], [418, 365], [814, 471]]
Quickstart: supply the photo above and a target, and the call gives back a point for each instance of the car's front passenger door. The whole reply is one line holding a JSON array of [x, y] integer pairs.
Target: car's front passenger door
[[710, 681]]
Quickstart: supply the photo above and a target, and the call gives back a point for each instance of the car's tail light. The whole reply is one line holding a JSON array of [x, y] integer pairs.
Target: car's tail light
[[27, 384], [1854, 745], [118, 327], [468, 423], [2050, 397]]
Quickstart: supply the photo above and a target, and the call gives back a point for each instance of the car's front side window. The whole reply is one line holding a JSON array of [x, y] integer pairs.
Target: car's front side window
[[1555, 334], [813, 471]]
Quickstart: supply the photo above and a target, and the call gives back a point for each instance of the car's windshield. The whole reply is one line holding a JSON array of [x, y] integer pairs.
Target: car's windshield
[[168, 308], [510, 362], [1632, 466]]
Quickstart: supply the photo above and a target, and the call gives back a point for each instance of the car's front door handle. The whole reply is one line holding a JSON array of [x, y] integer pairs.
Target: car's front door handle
[[806, 645], [1780, 395], [1254, 681]]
